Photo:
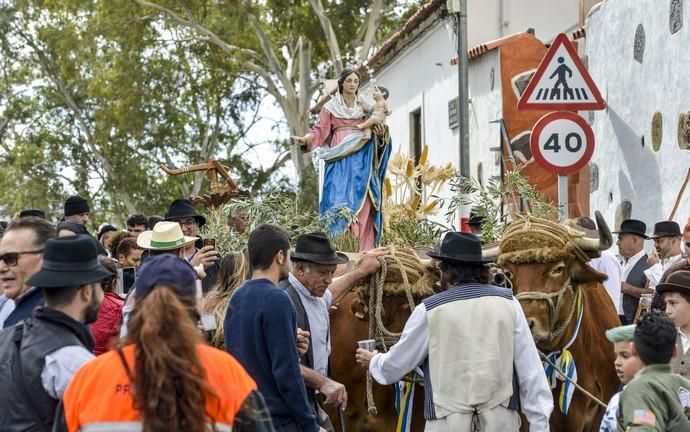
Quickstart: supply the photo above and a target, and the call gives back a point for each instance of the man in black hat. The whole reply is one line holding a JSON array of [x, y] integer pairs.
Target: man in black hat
[[631, 237], [666, 238], [77, 210], [475, 343], [311, 288], [475, 223], [42, 354], [183, 212]]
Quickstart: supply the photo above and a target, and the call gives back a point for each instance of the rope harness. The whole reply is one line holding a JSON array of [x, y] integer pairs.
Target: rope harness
[[554, 309], [404, 262], [539, 241]]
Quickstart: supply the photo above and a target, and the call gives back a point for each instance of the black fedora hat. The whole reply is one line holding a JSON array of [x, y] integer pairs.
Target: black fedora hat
[[475, 218], [678, 281], [460, 247], [183, 208], [69, 261], [666, 229], [32, 212], [633, 226], [316, 248]]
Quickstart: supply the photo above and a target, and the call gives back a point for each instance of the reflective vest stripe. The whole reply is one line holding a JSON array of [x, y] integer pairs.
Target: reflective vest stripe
[[133, 427]]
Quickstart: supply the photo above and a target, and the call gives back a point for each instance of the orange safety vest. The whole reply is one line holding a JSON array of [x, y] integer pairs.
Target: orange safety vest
[[99, 396]]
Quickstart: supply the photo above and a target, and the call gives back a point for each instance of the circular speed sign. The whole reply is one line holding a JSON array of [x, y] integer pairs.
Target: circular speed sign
[[562, 142]]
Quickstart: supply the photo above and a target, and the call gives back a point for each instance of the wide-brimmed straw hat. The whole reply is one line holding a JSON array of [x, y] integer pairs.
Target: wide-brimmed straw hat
[[164, 236]]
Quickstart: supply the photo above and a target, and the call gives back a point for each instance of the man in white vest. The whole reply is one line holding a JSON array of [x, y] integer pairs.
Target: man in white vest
[[479, 360]]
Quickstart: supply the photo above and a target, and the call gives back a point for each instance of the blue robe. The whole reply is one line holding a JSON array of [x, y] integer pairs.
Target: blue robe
[[354, 169]]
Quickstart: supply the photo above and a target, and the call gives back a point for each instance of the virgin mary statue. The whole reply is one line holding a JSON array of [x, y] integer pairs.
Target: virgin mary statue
[[355, 162]]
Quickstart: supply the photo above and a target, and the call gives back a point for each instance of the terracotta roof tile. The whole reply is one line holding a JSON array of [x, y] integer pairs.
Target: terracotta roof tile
[[481, 49], [390, 45]]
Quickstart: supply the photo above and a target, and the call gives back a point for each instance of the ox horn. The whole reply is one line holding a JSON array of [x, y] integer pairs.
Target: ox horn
[[491, 251], [604, 241]]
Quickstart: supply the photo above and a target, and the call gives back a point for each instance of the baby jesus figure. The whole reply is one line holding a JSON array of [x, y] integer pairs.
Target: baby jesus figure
[[379, 111]]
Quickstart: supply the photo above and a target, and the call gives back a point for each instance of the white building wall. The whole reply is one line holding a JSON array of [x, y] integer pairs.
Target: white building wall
[[492, 19], [423, 78], [629, 170]]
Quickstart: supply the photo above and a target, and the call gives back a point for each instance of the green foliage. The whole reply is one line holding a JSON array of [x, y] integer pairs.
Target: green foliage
[[92, 108], [274, 207], [497, 201], [409, 232], [94, 95], [283, 208]]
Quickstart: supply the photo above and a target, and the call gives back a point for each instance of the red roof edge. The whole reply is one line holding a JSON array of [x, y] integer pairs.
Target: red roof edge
[[413, 22], [481, 49]]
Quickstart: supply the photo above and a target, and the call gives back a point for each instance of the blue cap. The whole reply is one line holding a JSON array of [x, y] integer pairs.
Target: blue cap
[[169, 270]]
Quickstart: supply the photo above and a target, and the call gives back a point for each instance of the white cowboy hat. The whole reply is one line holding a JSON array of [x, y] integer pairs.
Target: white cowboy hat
[[164, 236]]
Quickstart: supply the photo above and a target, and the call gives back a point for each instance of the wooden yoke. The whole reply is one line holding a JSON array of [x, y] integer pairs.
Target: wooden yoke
[[221, 192]]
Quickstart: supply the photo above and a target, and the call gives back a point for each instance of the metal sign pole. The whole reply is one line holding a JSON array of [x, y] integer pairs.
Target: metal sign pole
[[563, 196], [463, 108]]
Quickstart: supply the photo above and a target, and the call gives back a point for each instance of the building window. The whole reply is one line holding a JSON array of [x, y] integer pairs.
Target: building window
[[416, 134]]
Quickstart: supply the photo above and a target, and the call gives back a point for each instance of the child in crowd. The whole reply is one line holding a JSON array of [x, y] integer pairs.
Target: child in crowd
[[675, 291], [627, 364], [656, 399]]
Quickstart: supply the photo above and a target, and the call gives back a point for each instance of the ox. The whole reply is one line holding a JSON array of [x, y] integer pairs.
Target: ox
[[547, 264], [349, 324]]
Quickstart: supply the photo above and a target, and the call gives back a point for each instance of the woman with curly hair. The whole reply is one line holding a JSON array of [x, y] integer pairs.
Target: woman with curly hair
[[163, 378]]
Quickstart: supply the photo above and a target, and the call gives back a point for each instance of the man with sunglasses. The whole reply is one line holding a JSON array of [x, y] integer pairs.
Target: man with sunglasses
[[21, 255]]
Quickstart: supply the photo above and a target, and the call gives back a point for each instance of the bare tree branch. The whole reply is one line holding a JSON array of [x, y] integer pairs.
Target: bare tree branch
[[329, 33], [371, 25], [272, 59], [191, 23]]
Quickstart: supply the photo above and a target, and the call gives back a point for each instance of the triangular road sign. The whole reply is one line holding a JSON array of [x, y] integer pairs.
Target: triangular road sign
[[561, 82]]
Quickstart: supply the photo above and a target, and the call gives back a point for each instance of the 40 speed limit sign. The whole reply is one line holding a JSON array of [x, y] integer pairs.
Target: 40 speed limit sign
[[562, 142]]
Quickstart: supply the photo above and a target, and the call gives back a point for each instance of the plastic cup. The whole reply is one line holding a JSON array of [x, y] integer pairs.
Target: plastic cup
[[367, 344]]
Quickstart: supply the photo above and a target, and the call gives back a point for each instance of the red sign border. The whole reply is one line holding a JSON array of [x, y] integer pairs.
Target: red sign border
[[536, 149], [561, 39]]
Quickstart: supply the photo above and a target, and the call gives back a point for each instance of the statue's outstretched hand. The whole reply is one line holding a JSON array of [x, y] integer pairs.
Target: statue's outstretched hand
[[302, 142]]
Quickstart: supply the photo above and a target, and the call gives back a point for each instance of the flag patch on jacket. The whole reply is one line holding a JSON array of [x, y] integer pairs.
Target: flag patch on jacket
[[644, 417]]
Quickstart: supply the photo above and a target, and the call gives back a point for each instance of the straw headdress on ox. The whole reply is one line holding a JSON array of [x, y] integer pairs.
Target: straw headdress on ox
[[419, 277], [536, 240]]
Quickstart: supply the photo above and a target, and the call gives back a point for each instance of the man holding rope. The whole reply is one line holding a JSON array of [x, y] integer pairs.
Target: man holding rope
[[312, 289], [475, 344]]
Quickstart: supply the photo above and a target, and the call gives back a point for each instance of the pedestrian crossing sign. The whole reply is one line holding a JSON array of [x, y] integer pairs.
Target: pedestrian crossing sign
[[561, 82]]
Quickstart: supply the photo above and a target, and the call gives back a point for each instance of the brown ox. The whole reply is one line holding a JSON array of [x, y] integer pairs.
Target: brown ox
[[349, 324], [547, 264]]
